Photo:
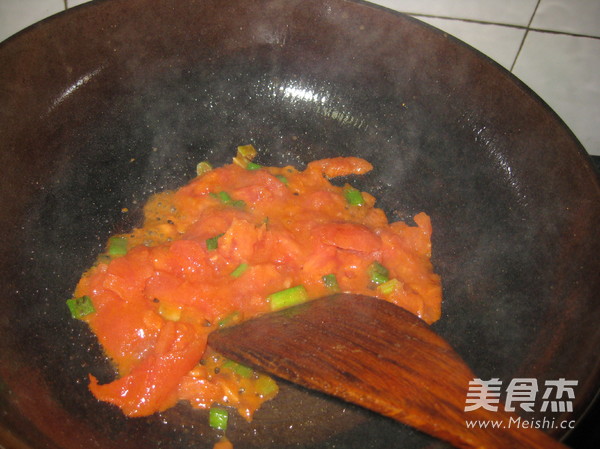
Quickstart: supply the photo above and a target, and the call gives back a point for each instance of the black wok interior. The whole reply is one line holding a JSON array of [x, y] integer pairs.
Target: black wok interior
[[113, 101]]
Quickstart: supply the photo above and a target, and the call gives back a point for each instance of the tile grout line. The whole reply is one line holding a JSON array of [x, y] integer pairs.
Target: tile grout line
[[461, 19], [524, 36], [563, 33], [501, 24]]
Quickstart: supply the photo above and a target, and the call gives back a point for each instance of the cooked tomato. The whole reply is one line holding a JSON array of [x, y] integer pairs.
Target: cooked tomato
[[212, 253]]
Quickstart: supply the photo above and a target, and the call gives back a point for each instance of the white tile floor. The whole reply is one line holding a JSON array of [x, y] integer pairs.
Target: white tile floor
[[551, 45]]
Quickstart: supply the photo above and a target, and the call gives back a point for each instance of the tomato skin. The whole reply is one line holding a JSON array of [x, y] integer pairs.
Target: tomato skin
[[416, 238], [152, 385], [346, 235], [126, 332], [127, 275], [258, 187], [239, 241], [213, 221], [340, 166]]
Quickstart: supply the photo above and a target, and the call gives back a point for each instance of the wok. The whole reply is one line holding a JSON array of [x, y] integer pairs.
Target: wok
[[110, 102]]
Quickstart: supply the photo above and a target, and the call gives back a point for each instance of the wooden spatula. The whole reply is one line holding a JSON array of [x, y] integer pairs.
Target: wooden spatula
[[379, 356]]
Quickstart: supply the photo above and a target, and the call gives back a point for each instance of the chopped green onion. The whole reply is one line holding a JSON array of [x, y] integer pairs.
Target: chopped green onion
[[213, 242], [244, 156], [232, 318], [241, 268], [225, 198], [240, 204], [246, 151], [217, 418], [288, 297], [222, 196], [378, 274], [253, 166], [203, 167], [117, 246], [80, 307], [353, 196], [242, 370], [282, 178], [265, 385], [388, 287], [331, 282]]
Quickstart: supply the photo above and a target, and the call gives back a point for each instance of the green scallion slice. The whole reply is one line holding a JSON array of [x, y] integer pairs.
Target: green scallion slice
[[265, 385], [246, 151], [388, 287], [253, 166], [217, 418], [240, 269], [242, 370], [378, 274], [353, 196], [282, 178], [240, 204], [288, 297], [244, 156], [331, 282], [117, 246], [213, 242], [80, 307], [232, 318], [203, 167], [223, 197]]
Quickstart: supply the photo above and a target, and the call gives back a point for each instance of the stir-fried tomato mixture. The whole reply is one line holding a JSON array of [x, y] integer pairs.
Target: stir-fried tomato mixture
[[235, 242]]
